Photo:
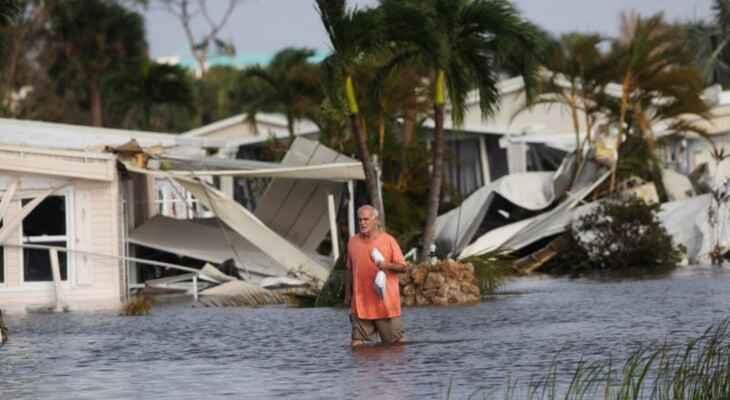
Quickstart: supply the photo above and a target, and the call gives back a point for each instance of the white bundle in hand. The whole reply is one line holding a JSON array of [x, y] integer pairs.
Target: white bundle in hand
[[379, 283], [376, 256]]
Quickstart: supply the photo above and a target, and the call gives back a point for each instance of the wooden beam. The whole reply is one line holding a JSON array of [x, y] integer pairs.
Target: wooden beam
[[333, 228], [56, 271], [27, 209], [8, 197]]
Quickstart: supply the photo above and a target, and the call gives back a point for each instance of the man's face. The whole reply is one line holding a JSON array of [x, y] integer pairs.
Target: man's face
[[367, 221]]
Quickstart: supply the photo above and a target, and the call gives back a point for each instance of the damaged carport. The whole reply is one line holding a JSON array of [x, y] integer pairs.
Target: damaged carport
[[460, 232], [274, 244]]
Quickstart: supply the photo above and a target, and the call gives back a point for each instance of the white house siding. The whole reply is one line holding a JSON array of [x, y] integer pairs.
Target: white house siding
[[94, 282], [702, 153]]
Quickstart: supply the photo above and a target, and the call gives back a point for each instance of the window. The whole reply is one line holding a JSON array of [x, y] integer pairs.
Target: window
[[45, 225]]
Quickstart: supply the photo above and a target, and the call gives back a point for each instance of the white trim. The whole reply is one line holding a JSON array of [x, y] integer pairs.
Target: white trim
[[484, 159], [69, 238]]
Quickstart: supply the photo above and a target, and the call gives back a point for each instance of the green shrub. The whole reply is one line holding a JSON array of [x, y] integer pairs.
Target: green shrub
[[333, 291], [621, 234]]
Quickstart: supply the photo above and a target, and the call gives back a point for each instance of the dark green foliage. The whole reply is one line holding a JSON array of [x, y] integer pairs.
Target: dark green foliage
[[620, 235], [93, 39], [8, 10], [289, 85], [151, 96], [333, 291]]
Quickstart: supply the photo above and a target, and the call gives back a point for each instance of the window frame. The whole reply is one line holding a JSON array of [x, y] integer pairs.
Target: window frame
[[69, 238]]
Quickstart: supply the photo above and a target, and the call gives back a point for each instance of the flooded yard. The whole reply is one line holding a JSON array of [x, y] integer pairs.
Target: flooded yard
[[181, 352]]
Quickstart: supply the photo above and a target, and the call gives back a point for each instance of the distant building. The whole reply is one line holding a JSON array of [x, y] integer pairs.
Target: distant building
[[240, 61]]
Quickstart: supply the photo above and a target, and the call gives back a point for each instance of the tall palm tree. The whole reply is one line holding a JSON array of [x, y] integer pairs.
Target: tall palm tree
[[576, 77], [138, 93], [353, 34], [463, 43], [93, 37], [290, 84], [659, 83]]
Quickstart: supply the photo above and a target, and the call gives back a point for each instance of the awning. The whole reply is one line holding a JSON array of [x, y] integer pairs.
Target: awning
[[203, 240]]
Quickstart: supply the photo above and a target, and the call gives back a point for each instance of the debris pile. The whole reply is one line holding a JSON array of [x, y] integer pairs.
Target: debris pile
[[447, 282]]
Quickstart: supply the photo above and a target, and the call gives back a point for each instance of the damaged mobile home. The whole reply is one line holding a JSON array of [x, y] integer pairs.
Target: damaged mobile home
[[77, 203], [525, 206]]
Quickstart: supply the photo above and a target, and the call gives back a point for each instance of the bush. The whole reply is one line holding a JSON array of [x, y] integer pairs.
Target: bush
[[621, 234], [333, 291]]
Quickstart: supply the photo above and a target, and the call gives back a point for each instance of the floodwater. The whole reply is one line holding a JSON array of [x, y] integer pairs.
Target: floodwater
[[181, 352]]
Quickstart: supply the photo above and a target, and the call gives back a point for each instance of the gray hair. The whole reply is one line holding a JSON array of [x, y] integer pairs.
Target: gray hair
[[372, 209]]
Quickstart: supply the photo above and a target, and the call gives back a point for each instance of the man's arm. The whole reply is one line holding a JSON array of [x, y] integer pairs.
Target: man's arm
[[393, 266], [397, 262]]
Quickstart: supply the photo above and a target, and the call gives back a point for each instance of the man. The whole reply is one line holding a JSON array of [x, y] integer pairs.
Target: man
[[372, 314]]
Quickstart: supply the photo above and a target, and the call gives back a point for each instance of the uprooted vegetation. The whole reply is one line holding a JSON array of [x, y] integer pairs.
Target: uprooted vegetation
[[619, 235], [137, 306]]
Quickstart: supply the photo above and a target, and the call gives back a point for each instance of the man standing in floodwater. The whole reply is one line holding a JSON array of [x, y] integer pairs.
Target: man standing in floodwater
[[372, 314]]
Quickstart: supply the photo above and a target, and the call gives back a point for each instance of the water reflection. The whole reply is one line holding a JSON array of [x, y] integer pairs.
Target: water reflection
[[181, 352]]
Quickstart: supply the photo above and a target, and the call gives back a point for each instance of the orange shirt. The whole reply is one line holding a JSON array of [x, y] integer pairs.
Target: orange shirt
[[366, 304]]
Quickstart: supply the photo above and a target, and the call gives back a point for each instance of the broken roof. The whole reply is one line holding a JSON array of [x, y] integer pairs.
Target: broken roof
[[77, 137]]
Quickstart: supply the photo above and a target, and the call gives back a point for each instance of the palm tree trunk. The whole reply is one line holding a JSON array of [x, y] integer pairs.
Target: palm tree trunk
[[290, 126], [381, 134], [578, 147], [622, 114], [97, 116], [409, 127], [371, 177], [434, 191]]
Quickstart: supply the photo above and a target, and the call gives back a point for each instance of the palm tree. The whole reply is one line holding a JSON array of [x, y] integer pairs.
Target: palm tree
[[139, 93], [353, 34], [8, 9], [659, 83], [463, 43], [93, 37], [576, 77], [710, 42], [290, 84]]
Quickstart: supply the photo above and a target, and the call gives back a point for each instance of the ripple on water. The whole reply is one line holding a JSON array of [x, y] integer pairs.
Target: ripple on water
[[193, 353]]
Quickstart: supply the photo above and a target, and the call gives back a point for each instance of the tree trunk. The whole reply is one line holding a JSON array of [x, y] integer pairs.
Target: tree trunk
[[371, 177], [97, 116], [622, 115], [434, 192], [409, 128], [578, 147], [290, 126]]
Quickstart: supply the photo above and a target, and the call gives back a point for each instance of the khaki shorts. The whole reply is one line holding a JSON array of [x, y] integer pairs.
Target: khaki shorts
[[390, 330]]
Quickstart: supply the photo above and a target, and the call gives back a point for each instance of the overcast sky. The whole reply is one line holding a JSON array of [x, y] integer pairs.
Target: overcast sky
[[264, 26]]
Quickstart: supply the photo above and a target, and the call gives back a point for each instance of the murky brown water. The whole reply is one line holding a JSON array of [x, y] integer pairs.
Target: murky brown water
[[199, 353]]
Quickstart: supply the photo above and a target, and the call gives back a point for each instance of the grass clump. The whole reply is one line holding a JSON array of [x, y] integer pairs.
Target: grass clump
[[697, 369], [492, 270], [136, 306]]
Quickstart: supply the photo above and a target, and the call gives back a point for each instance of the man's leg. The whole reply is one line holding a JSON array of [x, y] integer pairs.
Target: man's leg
[[362, 330], [390, 330]]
